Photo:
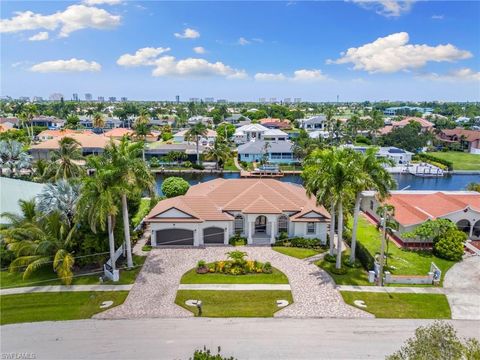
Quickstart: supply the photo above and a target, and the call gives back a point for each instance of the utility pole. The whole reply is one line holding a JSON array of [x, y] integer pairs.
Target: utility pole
[[382, 249]]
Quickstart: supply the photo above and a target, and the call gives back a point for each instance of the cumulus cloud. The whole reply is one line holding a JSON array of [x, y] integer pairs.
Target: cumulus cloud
[[387, 8], [242, 41], [72, 65], [43, 35], [188, 33], [142, 57], [102, 2], [303, 75], [199, 50], [463, 74], [393, 53], [73, 18], [269, 77]]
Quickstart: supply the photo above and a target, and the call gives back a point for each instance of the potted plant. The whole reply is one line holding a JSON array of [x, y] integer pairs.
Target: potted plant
[[202, 267]]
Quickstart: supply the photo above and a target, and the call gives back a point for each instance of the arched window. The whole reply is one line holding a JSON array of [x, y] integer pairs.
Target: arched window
[[282, 224], [238, 224], [464, 225]]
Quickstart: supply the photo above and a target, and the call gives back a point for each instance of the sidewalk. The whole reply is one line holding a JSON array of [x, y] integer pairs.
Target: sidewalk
[[389, 289], [64, 288], [234, 287]]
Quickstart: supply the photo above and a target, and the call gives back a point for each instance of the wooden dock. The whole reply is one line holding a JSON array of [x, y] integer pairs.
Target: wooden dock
[[261, 174]]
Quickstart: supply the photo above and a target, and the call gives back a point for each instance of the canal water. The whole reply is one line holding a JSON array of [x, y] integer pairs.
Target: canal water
[[448, 182]]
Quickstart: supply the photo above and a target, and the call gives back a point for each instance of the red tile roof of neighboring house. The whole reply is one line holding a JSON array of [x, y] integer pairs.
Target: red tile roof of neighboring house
[[457, 134], [62, 132], [414, 208], [427, 125], [118, 132], [213, 200], [86, 141], [281, 124]]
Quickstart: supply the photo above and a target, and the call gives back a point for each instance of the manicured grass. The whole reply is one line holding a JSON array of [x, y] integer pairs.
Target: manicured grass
[[400, 261], [460, 160], [276, 277], [234, 303], [354, 276], [299, 253], [230, 165], [46, 276], [406, 306], [291, 167], [55, 306]]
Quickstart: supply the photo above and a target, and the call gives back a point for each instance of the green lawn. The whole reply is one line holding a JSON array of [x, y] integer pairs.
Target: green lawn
[[230, 165], [46, 276], [276, 277], [408, 306], [234, 303], [400, 261], [460, 160], [299, 253], [291, 167], [354, 276], [55, 306]]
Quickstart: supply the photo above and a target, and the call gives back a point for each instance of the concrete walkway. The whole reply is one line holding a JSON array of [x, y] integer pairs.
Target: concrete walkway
[[63, 288], [234, 287], [391, 289]]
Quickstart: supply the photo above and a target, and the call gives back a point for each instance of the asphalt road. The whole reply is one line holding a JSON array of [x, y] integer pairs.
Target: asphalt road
[[242, 338]]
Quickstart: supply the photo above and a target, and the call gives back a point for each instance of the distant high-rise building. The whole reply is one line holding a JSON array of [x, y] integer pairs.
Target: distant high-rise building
[[55, 97], [112, 98], [222, 101], [177, 99], [209, 100], [88, 97], [123, 98], [273, 100], [195, 100], [75, 97], [287, 100], [101, 99], [24, 98], [262, 100], [297, 100], [37, 99]]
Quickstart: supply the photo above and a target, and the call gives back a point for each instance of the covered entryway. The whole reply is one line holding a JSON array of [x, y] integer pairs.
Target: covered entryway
[[213, 235], [174, 237], [464, 225], [261, 224]]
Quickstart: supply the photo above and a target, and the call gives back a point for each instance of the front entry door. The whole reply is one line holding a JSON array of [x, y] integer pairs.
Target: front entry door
[[261, 224]]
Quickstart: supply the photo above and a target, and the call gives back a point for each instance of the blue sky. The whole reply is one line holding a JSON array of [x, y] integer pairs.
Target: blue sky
[[359, 50]]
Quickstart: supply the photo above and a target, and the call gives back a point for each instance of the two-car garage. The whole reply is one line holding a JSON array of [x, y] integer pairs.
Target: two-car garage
[[184, 237]]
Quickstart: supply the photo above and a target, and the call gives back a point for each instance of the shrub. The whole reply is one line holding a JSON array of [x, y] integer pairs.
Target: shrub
[[283, 235], [198, 166], [238, 257], [363, 140], [6, 256], [267, 268], [237, 240], [167, 136], [187, 164], [450, 246], [341, 271], [146, 247], [356, 264], [433, 159], [206, 354], [174, 186], [330, 258], [154, 162], [298, 242], [361, 252], [201, 264]]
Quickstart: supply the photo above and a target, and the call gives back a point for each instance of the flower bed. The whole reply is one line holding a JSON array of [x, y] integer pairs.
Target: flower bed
[[236, 264]]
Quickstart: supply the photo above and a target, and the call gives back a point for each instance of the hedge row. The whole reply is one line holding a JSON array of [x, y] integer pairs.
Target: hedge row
[[361, 252], [427, 158]]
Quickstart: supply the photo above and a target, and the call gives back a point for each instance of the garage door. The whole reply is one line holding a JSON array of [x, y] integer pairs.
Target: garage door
[[213, 235], [174, 237]]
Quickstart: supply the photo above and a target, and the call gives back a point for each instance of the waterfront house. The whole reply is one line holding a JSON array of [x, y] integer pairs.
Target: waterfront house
[[468, 139], [161, 149], [280, 152], [399, 156], [414, 207], [51, 134], [208, 139], [258, 209], [254, 132]]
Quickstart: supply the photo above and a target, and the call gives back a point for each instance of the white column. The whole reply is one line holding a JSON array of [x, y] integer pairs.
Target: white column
[[272, 232], [471, 230], [196, 236], [249, 232], [226, 235], [153, 238]]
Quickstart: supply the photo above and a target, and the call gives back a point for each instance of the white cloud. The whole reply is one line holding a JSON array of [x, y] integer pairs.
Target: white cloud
[[463, 74], [199, 50], [72, 65], [393, 53], [73, 18], [387, 8], [438, 17], [269, 77], [102, 2], [43, 35], [142, 57], [188, 33], [308, 75], [242, 41]]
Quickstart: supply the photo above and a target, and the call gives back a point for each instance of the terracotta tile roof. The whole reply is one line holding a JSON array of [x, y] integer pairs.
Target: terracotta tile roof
[[456, 134], [210, 133], [414, 208], [85, 140], [62, 132], [118, 132], [212, 200]]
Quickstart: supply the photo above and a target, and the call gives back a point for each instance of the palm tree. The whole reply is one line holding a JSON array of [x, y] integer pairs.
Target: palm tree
[[40, 241], [13, 157], [220, 152], [473, 187], [195, 133], [64, 161], [133, 175], [98, 121], [60, 197], [370, 175], [142, 130], [99, 199], [329, 175]]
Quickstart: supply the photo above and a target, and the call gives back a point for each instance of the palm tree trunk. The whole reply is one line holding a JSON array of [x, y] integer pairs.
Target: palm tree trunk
[[198, 152], [332, 228], [111, 241], [356, 213], [126, 231], [339, 235]]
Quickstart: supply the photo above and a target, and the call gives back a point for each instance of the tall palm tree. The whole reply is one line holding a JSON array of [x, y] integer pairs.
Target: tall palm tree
[[64, 161], [134, 177], [195, 133], [141, 127], [220, 152], [370, 175], [329, 175], [98, 121], [99, 199]]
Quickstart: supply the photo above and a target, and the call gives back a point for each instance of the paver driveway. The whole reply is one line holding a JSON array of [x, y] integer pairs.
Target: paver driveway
[[154, 292]]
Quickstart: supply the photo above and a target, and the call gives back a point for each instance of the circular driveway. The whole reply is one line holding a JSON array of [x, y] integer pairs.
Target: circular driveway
[[154, 292]]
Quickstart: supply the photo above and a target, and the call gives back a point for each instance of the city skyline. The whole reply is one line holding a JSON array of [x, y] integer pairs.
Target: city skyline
[[406, 51]]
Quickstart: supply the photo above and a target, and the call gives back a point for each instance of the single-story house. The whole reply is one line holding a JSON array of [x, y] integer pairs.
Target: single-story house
[[10, 121], [276, 151], [251, 132], [469, 139], [259, 209], [208, 139], [48, 121], [313, 123], [238, 120], [160, 149], [399, 156], [273, 123], [51, 134], [110, 123], [414, 207], [200, 119], [425, 124]]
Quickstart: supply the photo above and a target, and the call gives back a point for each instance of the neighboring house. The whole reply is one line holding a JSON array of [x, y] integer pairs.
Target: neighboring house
[[119, 133], [209, 139], [259, 209], [392, 111], [6, 127], [48, 121], [468, 139], [238, 120], [160, 150], [399, 156], [413, 208], [426, 125], [110, 123], [313, 123], [272, 123], [200, 119], [10, 122], [251, 132], [280, 152], [51, 134], [462, 119], [91, 144]]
